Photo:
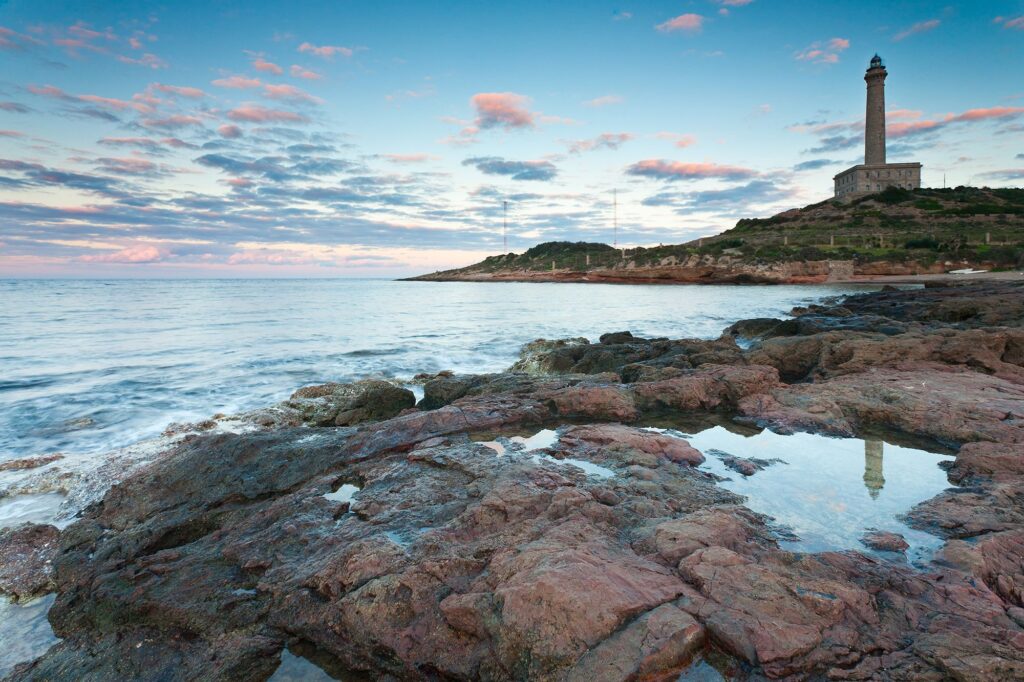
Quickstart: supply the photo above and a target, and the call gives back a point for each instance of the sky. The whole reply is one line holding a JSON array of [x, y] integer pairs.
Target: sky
[[377, 139]]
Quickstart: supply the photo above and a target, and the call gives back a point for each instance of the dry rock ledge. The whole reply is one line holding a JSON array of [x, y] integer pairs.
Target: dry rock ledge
[[451, 563]]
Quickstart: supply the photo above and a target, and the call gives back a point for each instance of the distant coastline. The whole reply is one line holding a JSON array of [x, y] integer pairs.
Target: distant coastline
[[893, 235]]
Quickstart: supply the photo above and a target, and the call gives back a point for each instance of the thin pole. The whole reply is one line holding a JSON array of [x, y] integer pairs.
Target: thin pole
[[615, 216], [504, 226]]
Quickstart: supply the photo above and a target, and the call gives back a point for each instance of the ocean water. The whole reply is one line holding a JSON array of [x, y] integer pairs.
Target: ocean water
[[88, 365]]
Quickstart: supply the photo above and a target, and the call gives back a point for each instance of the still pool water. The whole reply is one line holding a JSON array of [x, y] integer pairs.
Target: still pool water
[[823, 493], [25, 633], [87, 366], [828, 491]]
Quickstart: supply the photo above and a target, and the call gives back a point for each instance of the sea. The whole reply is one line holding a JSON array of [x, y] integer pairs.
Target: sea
[[87, 366]]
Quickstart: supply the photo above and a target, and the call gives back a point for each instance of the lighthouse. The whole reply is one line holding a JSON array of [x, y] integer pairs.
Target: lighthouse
[[875, 175], [874, 119]]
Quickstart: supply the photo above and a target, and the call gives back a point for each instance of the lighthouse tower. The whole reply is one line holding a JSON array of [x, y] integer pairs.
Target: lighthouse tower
[[875, 175], [874, 120]]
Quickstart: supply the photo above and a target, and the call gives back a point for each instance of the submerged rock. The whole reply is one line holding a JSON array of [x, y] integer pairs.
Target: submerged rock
[[748, 466], [30, 462], [884, 541]]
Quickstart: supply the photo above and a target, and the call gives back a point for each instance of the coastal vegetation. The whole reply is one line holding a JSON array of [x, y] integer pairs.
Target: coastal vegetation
[[922, 226]]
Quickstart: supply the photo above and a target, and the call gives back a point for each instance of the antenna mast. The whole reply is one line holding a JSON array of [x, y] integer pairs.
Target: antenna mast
[[504, 226], [615, 217]]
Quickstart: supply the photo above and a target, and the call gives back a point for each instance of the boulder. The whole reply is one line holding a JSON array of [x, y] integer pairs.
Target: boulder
[[348, 404], [883, 541]]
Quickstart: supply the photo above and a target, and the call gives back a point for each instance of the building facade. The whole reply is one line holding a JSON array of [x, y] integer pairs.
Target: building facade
[[868, 179], [875, 175]]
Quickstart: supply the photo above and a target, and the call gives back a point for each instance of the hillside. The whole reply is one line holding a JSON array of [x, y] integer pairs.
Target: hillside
[[898, 232]]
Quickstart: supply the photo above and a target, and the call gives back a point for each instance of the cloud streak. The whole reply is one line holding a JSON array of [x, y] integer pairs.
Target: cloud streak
[[919, 27], [326, 51], [516, 170], [670, 171], [602, 141], [684, 23], [826, 52]]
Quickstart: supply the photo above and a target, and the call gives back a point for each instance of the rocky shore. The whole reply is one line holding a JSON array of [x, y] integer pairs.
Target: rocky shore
[[385, 538]]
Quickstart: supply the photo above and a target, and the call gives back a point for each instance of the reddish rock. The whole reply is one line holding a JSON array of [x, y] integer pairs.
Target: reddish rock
[[617, 436], [951, 406], [26, 560], [708, 388], [595, 402], [654, 646], [30, 462], [996, 558], [456, 564], [884, 541]]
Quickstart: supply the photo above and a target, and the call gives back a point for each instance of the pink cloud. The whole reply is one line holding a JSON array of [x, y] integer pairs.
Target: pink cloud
[[229, 131], [172, 122], [502, 110], [1016, 23], [182, 91], [97, 100], [902, 114], [289, 92], [409, 158], [12, 40], [603, 101], [602, 141], [988, 113], [138, 253], [901, 129], [177, 144], [261, 64], [906, 122], [11, 133], [919, 27], [679, 140], [687, 23], [238, 82], [662, 169], [263, 257], [82, 30], [326, 51], [111, 103], [148, 59], [253, 113], [735, 3], [823, 53], [302, 72], [48, 91], [126, 165]]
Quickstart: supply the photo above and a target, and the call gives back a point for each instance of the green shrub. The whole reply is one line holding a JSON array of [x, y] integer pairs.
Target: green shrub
[[921, 243]]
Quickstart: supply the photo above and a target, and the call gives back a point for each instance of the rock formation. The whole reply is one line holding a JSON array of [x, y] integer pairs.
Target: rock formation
[[452, 563]]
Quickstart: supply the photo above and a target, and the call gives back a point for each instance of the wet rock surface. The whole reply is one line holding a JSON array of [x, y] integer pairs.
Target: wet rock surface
[[748, 466], [884, 541], [348, 404], [454, 562], [26, 560]]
